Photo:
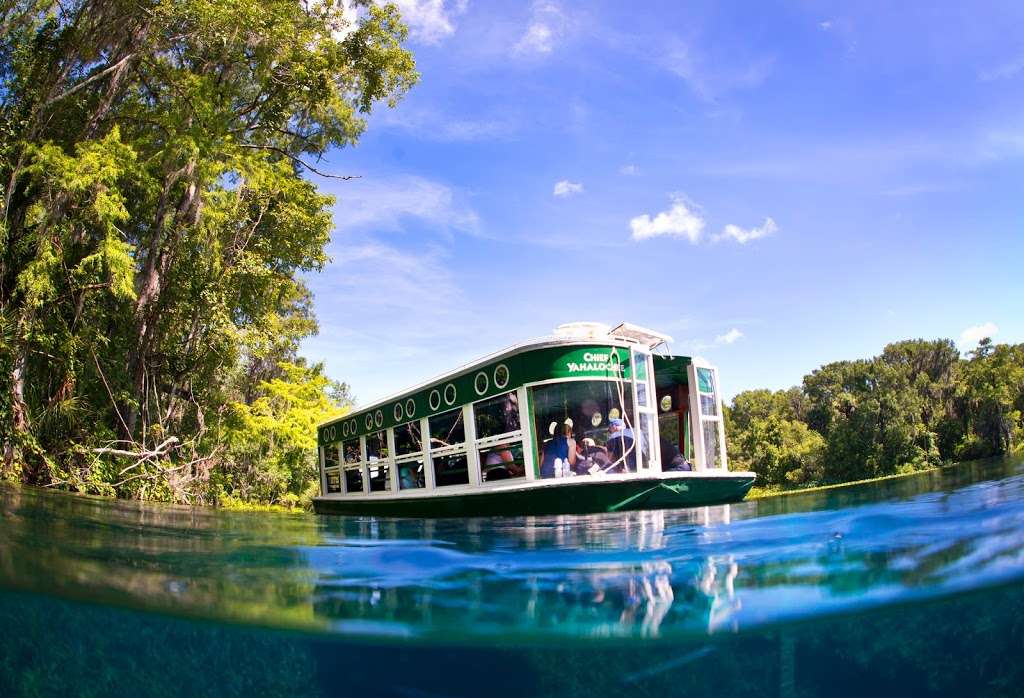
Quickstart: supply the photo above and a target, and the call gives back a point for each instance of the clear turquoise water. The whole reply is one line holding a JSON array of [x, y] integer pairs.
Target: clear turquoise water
[[912, 586]]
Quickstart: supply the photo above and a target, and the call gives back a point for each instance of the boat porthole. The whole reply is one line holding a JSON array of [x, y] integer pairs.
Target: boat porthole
[[435, 399], [410, 408], [378, 419], [353, 427], [397, 412], [344, 429], [500, 376], [480, 383], [369, 421], [450, 394]]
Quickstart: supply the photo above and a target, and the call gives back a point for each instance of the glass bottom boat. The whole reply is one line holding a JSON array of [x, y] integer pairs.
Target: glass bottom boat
[[588, 420]]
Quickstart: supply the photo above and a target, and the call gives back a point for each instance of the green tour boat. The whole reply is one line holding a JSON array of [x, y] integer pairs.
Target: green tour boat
[[591, 419]]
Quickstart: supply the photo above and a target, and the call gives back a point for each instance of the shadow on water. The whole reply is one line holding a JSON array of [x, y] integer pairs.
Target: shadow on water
[[911, 585]]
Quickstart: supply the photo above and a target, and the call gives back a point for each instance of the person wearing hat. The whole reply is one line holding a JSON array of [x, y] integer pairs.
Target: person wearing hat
[[620, 445]]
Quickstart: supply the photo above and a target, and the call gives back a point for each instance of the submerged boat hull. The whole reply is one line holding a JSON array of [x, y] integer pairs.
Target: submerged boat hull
[[579, 497]]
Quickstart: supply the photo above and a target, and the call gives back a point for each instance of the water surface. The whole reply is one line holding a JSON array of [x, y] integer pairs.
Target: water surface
[[911, 585]]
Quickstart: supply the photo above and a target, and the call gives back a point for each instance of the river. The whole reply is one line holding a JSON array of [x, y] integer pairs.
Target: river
[[913, 586]]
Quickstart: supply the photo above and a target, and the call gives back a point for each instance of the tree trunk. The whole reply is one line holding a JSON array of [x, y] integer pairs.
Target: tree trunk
[[158, 260]]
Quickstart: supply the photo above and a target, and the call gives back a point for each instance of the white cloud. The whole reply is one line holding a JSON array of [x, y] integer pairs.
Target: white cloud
[[630, 170], [547, 24], [1007, 70], [745, 235], [678, 221], [826, 25], [974, 334], [435, 125], [729, 337], [430, 21], [567, 188], [387, 202], [709, 76]]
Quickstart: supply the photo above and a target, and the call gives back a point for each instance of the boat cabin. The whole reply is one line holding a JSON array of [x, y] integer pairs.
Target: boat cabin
[[589, 403]]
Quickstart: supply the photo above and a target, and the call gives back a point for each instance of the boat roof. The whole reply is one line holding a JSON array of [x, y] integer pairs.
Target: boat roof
[[624, 335]]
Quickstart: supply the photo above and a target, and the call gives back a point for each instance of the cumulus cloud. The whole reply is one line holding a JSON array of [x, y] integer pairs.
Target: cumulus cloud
[[679, 221], [567, 188], [745, 235], [974, 334], [729, 337], [430, 21], [547, 24], [630, 170]]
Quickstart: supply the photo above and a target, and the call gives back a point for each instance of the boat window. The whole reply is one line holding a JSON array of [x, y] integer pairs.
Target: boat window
[[712, 455], [380, 475], [330, 456], [354, 480], [351, 451], [447, 429], [646, 422], [596, 416], [333, 481], [377, 465], [640, 376], [411, 473], [706, 388], [407, 439], [377, 446], [451, 469], [502, 461], [497, 415]]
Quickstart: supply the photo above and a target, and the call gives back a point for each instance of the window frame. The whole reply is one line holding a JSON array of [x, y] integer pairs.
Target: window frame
[[388, 463], [508, 437], [411, 457], [469, 438], [533, 469], [698, 418]]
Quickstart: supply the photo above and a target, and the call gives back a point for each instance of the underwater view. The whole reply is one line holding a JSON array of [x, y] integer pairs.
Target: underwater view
[[912, 585]]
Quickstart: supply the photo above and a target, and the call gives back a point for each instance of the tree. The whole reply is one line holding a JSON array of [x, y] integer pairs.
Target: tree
[[156, 216]]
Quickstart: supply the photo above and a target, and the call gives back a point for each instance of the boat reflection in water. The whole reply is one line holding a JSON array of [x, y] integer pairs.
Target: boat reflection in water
[[626, 588]]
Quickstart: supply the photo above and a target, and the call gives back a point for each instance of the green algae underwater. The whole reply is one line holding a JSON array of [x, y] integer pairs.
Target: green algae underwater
[[912, 586]]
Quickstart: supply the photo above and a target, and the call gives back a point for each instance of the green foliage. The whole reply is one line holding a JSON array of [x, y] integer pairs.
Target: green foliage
[[155, 220], [273, 439], [916, 405]]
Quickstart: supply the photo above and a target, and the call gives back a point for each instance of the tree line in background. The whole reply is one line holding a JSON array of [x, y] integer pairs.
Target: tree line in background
[[154, 226], [917, 405]]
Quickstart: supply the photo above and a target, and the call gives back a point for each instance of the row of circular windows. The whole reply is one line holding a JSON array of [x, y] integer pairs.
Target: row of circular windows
[[481, 384]]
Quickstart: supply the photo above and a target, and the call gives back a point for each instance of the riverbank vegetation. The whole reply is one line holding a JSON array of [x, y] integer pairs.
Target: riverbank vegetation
[[915, 406], [158, 207]]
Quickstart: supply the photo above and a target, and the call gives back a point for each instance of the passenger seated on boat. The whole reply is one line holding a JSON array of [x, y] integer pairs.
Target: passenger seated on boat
[[496, 465], [409, 479], [672, 458], [562, 446], [591, 455], [621, 446]]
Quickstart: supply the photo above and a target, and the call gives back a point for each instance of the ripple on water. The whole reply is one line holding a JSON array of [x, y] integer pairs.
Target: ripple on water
[[680, 573]]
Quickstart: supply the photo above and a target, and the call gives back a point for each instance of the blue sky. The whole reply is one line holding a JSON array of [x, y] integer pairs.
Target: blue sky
[[776, 188]]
